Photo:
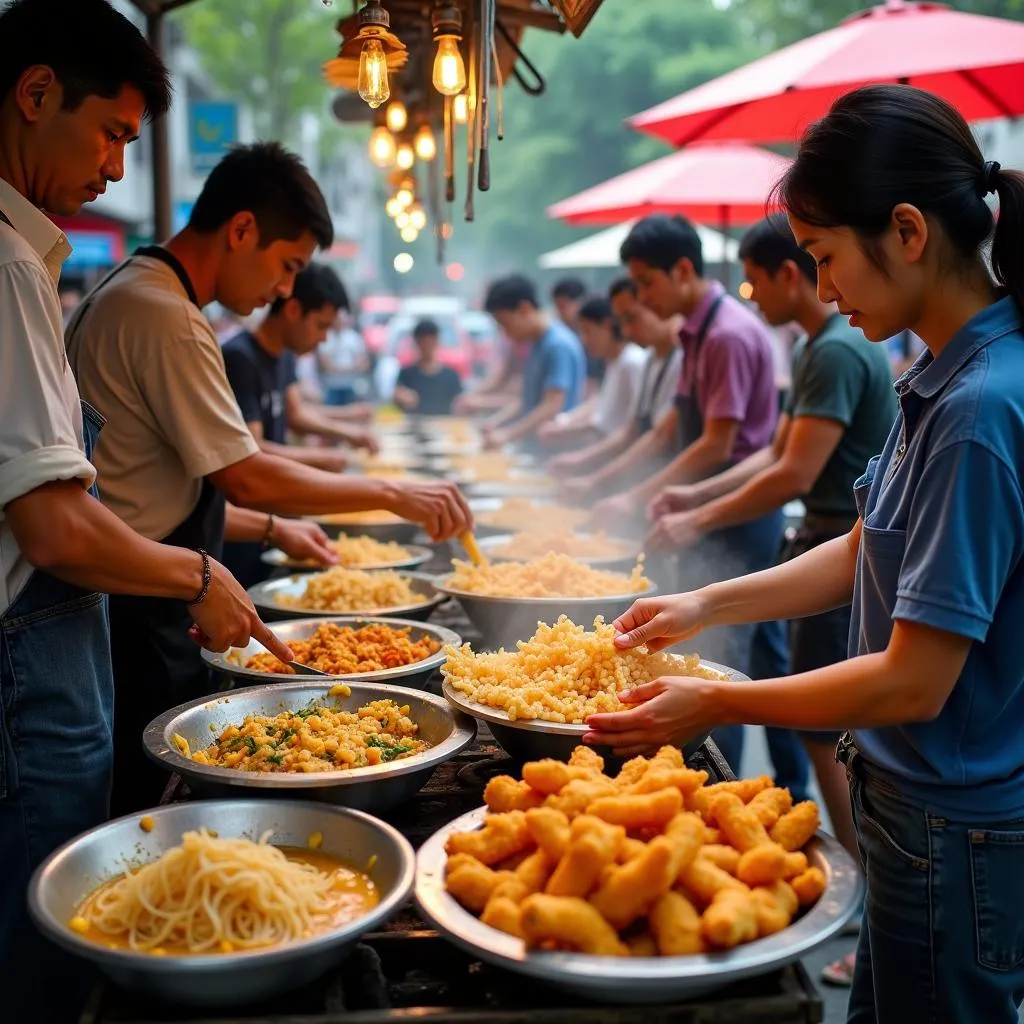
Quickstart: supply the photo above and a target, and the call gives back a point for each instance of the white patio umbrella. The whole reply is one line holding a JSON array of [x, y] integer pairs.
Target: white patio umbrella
[[602, 249]]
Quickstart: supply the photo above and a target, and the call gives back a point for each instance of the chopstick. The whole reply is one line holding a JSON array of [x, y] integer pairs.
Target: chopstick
[[468, 541]]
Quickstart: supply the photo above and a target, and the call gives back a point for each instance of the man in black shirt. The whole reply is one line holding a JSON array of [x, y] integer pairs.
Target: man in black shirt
[[427, 388]]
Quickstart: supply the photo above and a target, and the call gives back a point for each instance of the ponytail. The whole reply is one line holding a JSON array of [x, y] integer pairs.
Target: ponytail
[[1008, 238]]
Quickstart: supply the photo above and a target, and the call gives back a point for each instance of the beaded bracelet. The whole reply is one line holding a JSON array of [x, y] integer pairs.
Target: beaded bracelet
[[268, 533], [207, 577]]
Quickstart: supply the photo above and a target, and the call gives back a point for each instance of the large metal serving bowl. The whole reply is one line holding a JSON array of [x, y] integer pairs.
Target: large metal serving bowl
[[626, 560], [386, 528], [504, 621], [530, 740], [266, 598], [637, 979], [231, 663], [77, 868], [520, 484], [417, 556], [372, 788]]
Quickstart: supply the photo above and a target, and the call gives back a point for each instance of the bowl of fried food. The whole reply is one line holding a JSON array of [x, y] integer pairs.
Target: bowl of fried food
[[356, 552], [341, 591], [506, 600], [379, 524], [344, 647], [594, 549], [495, 515], [215, 903], [535, 699], [364, 745], [644, 887]]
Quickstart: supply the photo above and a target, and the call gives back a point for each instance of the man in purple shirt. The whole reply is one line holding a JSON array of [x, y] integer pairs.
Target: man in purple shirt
[[726, 409]]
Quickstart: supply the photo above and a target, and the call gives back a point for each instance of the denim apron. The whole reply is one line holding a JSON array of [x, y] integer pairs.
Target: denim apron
[[56, 701], [724, 554], [156, 663]]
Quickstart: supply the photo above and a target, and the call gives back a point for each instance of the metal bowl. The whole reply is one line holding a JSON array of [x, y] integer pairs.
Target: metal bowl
[[69, 875], [265, 596], [387, 528], [520, 484], [638, 979], [504, 621], [372, 788], [626, 560], [417, 556], [231, 663], [530, 739]]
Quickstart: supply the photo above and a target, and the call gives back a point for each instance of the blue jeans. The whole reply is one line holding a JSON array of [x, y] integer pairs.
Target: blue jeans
[[942, 940]]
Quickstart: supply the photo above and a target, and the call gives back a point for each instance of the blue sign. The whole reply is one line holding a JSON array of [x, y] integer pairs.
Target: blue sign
[[91, 250], [212, 130], [180, 214]]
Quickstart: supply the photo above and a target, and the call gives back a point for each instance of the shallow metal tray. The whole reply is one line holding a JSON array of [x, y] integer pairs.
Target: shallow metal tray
[[637, 979], [232, 663], [372, 788], [78, 867], [417, 556], [265, 597]]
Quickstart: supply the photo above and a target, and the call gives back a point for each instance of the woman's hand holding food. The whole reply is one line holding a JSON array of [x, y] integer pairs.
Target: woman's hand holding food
[[227, 618], [660, 622], [439, 506], [302, 540]]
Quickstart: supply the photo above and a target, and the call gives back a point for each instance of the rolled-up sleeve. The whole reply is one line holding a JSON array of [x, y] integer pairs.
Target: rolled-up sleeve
[[40, 435], [965, 535]]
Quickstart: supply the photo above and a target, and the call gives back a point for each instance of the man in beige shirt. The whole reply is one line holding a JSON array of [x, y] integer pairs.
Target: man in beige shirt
[[175, 445]]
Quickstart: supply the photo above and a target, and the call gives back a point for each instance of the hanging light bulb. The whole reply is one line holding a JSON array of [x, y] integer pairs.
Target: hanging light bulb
[[417, 217], [403, 220], [460, 108], [426, 145], [405, 156], [449, 75], [409, 234], [393, 207], [373, 84], [406, 193], [396, 116], [382, 147]]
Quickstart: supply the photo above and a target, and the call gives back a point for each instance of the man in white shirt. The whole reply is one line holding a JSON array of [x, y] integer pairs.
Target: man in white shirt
[[609, 409], [636, 446], [76, 81]]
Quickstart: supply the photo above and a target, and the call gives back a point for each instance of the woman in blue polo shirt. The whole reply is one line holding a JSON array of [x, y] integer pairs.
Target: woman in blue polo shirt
[[888, 193]]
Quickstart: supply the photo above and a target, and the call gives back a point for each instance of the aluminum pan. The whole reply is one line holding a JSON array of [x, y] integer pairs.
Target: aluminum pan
[[417, 556]]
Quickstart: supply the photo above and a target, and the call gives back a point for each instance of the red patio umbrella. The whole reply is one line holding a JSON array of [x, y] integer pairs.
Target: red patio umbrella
[[975, 62], [723, 183]]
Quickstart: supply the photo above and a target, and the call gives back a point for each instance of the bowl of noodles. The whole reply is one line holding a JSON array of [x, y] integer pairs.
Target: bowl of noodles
[[594, 549], [506, 600], [363, 745], [346, 647], [379, 524], [217, 903], [342, 591], [356, 552]]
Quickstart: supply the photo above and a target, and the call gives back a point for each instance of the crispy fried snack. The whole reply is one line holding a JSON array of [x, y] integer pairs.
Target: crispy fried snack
[[503, 835], [630, 849], [772, 916], [771, 804], [795, 828], [473, 883], [722, 855], [550, 776], [550, 831], [579, 794], [765, 864], [703, 880], [809, 886], [637, 811], [745, 789], [676, 925], [738, 822], [627, 891], [503, 914], [503, 794], [643, 944], [731, 919], [586, 757], [796, 864], [686, 780], [568, 921], [593, 845]]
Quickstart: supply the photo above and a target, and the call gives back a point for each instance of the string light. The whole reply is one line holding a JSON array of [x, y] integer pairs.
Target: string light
[[403, 220], [409, 234], [403, 262], [425, 143], [417, 217], [382, 147], [396, 116], [393, 207], [460, 108], [406, 193], [405, 156], [449, 73]]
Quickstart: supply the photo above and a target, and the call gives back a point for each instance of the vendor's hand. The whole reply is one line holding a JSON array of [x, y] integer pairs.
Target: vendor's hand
[[494, 438], [548, 431], [227, 618], [577, 488], [301, 541], [673, 499], [669, 710], [364, 439], [673, 533], [614, 509], [660, 622], [439, 506], [361, 411], [567, 462]]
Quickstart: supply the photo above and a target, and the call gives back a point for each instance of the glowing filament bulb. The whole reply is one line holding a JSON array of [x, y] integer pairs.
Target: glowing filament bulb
[[373, 74], [449, 68]]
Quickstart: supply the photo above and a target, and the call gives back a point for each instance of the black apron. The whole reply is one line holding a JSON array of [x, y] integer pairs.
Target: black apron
[[691, 416], [645, 412], [156, 663]]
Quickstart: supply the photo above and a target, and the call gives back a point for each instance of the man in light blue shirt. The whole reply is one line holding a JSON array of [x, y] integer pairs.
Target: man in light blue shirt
[[555, 373]]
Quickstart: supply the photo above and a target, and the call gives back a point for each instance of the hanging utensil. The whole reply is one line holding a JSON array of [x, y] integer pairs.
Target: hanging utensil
[[487, 12], [472, 121], [449, 150]]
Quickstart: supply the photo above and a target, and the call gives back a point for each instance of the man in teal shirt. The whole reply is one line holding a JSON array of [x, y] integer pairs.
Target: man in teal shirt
[[840, 409]]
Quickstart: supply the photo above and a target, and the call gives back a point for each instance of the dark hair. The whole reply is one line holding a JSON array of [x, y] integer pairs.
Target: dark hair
[[620, 285], [509, 293], [425, 329], [597, 309], [93, 50], [315, 286], [770, 242], [661, 241], [271, 184], [883, 145], [569, 288]]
